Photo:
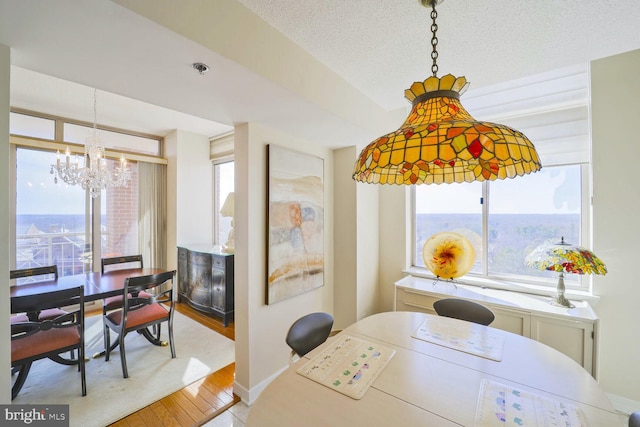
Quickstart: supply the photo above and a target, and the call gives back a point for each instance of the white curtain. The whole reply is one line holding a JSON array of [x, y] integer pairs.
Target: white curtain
[[152, 214]]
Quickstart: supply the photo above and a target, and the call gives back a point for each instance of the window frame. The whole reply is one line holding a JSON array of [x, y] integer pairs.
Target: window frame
[[92, 206], [217, 238], [529, 284]]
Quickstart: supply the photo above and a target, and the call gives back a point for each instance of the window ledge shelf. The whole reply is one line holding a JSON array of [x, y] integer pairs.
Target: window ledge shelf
[[523, 288]]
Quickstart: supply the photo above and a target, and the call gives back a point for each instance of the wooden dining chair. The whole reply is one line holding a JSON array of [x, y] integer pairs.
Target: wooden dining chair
[[307, 333], [38, 273], [464, 310], [32, 341], [118, 263], [140, 311]]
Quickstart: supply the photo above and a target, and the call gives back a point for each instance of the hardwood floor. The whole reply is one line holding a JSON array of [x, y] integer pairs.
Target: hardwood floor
[[197, 403]]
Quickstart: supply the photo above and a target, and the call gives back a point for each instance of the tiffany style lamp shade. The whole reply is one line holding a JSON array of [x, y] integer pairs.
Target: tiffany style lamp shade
[[440, 142], [563, 258]]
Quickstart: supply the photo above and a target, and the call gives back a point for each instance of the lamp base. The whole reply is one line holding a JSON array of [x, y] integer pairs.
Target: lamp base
[[228, 247], [561, 301]]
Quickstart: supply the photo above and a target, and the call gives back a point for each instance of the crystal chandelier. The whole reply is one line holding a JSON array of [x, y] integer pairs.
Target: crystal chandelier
[[94, 174]]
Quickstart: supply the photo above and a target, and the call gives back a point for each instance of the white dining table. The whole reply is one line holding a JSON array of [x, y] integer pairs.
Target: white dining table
[[426, 383]]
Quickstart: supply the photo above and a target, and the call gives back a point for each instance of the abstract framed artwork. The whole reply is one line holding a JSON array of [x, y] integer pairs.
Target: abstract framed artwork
[[295, 223]]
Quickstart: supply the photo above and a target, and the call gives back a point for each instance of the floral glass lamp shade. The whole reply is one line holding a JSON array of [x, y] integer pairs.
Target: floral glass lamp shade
[[563, 258], [440, 142], [227, 210]]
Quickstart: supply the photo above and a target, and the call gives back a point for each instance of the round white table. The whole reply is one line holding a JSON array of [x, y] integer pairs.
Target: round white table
[[425, 383]]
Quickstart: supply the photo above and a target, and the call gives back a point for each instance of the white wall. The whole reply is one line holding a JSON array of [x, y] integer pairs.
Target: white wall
[[260, 329], [395, 240], [345, 239], [615, 97], [5, 352], [190, 192]]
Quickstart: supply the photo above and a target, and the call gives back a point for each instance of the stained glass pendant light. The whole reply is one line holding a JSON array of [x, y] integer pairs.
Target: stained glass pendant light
[[440, 142]]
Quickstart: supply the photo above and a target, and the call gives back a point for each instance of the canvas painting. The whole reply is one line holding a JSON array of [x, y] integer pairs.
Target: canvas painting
[[295, 223]]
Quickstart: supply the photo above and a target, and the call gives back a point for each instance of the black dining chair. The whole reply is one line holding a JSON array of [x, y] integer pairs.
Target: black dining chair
[[125, 261], [307, 333], [35, 340], [37, 273], [140, 312], [464, 310], [118, 263], [634, 419]]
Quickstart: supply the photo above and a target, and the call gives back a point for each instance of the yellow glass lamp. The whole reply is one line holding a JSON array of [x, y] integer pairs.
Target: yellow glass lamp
[[448, 255], [440, 142]]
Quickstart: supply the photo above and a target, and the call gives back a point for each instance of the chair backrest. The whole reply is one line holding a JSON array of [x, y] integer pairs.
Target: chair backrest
[[31, 341], [126, 259], [43, 301], [159, 285], [34, 271], [634, 419], [464, 310], [309, 332]]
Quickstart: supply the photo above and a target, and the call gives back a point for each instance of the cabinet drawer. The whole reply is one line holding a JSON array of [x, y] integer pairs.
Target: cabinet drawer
[[418, 299], [518, 322], [409, 306]]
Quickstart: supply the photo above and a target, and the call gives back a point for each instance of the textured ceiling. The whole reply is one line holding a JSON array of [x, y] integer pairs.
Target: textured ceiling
[[383, 46], [61, 49]]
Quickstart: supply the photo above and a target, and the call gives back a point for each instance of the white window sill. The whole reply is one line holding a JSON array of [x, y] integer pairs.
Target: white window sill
[[524, 288]]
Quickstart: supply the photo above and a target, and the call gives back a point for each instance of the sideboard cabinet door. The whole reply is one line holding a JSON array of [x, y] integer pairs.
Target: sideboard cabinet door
[[205, 281]]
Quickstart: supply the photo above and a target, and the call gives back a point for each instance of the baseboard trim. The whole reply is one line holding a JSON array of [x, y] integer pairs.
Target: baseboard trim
[[250, 396]]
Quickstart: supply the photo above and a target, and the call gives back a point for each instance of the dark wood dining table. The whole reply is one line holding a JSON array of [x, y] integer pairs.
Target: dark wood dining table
[[97, 285]]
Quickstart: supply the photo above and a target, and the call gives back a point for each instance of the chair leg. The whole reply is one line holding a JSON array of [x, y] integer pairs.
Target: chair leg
[[123, 357], [83, 378], [173, 348], [107, 342], [22, 377]]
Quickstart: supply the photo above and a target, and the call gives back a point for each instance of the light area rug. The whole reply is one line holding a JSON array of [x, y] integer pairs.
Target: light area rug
[[153, 374]]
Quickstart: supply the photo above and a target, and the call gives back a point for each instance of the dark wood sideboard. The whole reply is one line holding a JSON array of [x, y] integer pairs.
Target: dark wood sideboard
[[205, 280]]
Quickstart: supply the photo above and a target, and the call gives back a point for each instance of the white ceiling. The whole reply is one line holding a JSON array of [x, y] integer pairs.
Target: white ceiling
[[61, 49]]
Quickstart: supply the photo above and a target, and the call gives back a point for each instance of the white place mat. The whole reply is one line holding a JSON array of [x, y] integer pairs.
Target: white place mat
[[501, 405], [480, 342], [349, 366]]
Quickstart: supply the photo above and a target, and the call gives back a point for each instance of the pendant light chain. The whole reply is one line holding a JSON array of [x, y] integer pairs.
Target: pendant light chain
[[95, 108], [434, 39]]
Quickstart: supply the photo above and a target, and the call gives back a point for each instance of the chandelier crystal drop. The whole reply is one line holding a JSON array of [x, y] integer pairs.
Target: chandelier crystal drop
[[93, 175]]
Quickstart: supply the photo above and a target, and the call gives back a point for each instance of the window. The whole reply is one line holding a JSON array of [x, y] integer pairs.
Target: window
[[223, 184], [60, 224], [52, 226], [506, 219]]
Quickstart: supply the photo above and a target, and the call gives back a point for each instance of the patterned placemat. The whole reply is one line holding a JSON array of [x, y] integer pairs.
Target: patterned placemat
[[502, 405], [480, 342], [350, 365]]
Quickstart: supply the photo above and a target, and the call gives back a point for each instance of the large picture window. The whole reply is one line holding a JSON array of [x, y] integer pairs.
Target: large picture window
[[505, 220], [61, 224]]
